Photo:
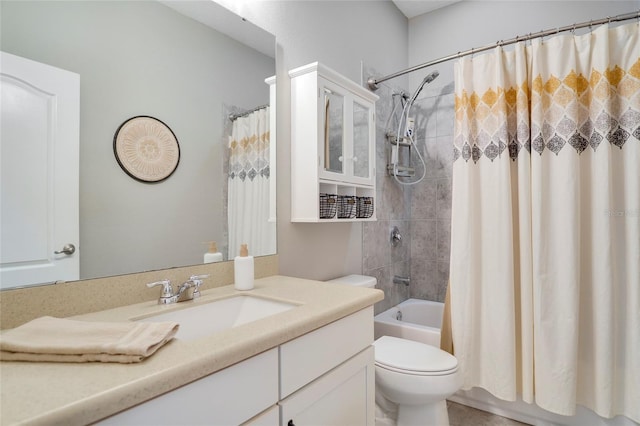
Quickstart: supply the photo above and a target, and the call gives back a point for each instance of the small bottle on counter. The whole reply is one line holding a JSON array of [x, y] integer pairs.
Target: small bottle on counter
[[213, 255], [243, 269]]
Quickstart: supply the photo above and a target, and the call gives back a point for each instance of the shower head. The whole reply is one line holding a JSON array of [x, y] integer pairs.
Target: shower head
[[431, 77], [428, 79]]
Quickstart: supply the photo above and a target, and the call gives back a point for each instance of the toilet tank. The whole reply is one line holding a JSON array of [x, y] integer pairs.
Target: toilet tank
[[356, 280]]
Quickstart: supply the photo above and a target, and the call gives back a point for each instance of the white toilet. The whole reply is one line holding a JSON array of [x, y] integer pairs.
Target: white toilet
[[415, 376]]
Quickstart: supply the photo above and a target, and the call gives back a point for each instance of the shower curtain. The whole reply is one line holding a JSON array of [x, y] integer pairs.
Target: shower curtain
[[248, 186], [545, 249]]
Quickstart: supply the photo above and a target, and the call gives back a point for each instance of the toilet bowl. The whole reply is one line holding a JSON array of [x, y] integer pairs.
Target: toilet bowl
[[415, 376], [418, 378]]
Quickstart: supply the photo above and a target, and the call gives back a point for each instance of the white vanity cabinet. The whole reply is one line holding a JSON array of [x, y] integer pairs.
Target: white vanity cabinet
[[332, 145], [325, 377]]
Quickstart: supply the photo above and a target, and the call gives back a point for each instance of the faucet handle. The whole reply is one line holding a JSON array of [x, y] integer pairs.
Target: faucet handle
[[197, 282], [167, 290]]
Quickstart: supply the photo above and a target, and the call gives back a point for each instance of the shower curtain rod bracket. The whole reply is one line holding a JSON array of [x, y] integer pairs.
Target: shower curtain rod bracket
[[371, 82]]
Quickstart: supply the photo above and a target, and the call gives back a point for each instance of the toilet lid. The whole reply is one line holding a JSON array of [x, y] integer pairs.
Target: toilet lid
[[410, 355]]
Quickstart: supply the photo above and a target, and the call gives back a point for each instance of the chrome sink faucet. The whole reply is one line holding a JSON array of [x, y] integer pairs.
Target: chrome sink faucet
[[188, 290]]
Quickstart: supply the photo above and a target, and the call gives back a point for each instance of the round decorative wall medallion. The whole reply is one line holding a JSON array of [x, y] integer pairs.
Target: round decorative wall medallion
[[146, 149]]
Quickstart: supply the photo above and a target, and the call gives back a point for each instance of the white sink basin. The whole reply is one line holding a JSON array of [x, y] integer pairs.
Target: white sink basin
[[210, 317]]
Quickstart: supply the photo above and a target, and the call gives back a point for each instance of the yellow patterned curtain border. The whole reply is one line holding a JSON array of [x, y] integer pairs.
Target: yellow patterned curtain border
[[477, 113], [249, 147]]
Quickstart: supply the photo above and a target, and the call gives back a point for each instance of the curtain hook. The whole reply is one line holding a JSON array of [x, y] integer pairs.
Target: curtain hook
[[573, 30]]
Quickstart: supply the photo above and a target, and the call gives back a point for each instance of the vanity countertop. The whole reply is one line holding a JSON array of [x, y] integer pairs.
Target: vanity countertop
[[67, 393]]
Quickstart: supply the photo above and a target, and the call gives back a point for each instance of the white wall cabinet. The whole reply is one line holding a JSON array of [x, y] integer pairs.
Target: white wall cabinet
[[332, 146], [323, 377]]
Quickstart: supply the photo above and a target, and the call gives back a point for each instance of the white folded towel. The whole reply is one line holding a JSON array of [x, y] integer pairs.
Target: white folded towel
[[64, 340]]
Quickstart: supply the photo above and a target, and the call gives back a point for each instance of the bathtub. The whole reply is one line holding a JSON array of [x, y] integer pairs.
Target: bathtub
[[413, 319]]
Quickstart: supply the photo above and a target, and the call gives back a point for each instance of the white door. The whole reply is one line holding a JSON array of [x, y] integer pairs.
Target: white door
[[39, 164]]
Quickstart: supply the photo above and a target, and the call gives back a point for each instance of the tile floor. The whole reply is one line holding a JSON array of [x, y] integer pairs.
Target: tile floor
[[461, 415]]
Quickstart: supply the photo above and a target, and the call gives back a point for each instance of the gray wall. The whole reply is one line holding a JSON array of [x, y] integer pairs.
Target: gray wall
[[380, 258], [142, 58], [344, 35]]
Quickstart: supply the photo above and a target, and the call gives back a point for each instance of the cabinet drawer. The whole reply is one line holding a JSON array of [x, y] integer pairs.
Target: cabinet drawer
[[230, 396], [306, 358], [271, 417]]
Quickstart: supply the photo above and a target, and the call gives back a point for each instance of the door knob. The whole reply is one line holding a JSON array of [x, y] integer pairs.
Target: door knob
[[68, 249]]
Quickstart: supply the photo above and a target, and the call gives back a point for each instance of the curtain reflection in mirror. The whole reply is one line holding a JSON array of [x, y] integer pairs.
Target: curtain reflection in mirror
[[248, 185]]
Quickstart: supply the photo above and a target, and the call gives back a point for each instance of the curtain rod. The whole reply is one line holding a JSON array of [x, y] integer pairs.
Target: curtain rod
[[373, 82], [234, 117]]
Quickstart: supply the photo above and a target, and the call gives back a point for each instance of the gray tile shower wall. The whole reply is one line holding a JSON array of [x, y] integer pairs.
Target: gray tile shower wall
[[431, 202], [380, 258], [422, 212]]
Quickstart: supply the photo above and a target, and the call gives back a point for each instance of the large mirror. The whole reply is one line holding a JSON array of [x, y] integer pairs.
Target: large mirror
[[165, 60]]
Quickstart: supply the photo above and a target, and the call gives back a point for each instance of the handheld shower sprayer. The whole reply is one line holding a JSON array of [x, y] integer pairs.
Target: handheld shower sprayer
[[428, 79], [431, 77], [409, 131]]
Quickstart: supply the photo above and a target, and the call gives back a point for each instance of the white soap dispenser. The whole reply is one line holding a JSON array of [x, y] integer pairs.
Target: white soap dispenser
[[243, 269], [213, 255]]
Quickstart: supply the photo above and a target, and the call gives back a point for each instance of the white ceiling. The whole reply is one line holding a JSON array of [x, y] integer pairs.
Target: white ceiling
[[412, 8]]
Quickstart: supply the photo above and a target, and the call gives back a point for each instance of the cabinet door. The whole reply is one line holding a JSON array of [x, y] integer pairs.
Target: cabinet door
[[363, 150], [332, 140], [345, 136], [343, 396]]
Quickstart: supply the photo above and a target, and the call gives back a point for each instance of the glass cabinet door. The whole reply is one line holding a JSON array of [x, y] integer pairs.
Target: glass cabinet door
[[361, 143], [345, 145], [333, 131]]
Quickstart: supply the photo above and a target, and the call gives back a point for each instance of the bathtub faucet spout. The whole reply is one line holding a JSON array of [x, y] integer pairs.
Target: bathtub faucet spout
[[401, 280]]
